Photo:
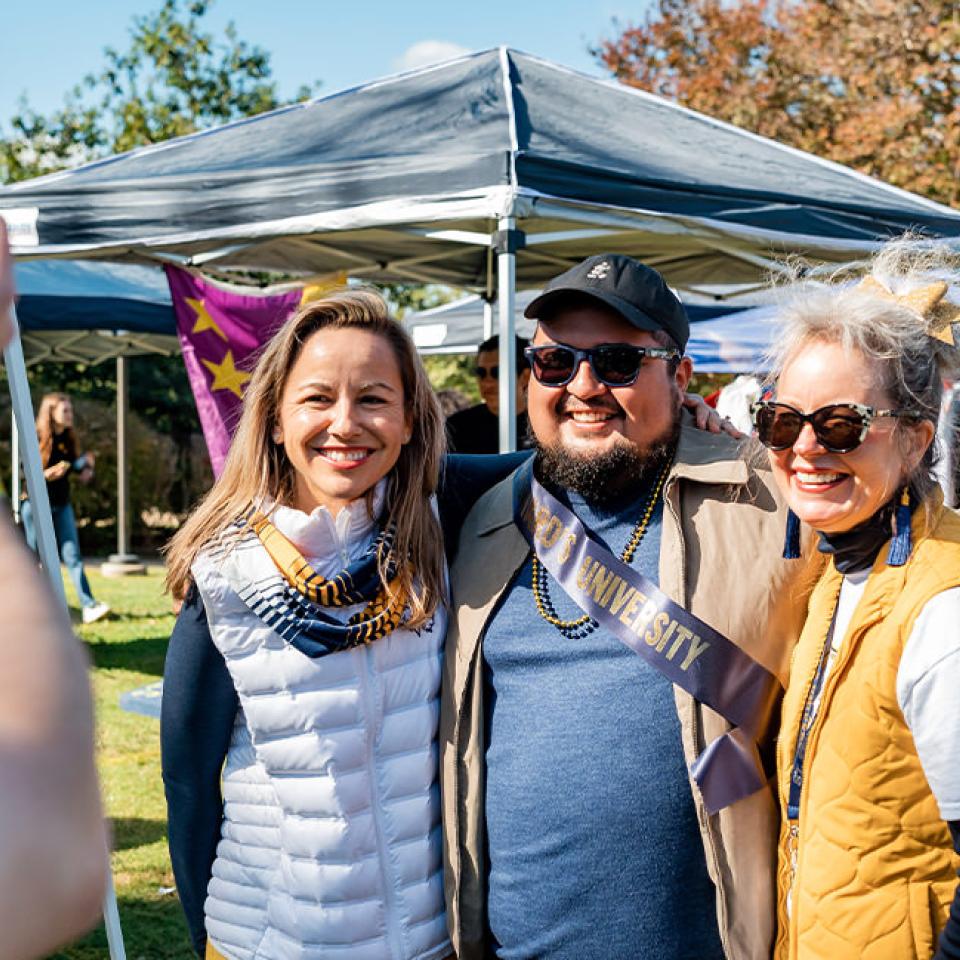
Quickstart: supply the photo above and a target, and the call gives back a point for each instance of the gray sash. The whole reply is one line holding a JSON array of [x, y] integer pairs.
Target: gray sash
[[689, 652]]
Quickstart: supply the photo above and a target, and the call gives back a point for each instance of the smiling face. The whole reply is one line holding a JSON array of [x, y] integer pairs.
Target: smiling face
[[834, 492], [585, 417], [342, 418]]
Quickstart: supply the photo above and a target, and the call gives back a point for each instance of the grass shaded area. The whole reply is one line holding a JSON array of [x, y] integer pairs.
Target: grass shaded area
[[127, 651]]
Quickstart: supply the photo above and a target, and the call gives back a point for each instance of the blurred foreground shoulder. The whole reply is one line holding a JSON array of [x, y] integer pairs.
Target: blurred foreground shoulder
[[53, 845]]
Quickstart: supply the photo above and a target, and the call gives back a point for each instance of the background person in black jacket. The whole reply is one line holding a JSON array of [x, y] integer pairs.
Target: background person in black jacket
[[61, 457], [477, 430]]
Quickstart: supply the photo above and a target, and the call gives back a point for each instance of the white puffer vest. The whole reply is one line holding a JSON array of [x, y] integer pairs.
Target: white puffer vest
[[330, 844]]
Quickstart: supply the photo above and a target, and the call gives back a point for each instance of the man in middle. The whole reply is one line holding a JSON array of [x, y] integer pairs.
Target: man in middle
[[573, 829]]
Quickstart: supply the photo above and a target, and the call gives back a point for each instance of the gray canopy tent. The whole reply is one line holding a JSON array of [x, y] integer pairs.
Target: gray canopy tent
[[485, 172]]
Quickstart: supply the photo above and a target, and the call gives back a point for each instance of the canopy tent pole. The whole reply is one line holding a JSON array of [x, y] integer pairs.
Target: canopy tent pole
[[123, 562], [47, 545], [14, 468], [487, 318], [507, 240]]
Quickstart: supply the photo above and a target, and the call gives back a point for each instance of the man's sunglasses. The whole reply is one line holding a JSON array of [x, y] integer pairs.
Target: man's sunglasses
[[838, 427], [481, 373], [613, 364]]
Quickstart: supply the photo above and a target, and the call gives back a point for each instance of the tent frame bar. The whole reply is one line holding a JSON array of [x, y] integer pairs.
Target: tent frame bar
[[506, 303]]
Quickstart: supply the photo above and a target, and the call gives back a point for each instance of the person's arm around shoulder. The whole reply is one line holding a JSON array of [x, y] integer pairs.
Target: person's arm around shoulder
[[464, 479], [53, 847]]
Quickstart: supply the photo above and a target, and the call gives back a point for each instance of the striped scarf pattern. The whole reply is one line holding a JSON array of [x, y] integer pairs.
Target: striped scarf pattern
[[289, 596]]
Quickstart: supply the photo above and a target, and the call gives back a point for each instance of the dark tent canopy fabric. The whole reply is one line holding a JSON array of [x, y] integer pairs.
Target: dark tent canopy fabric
[[408, 178], [92, 311], [77, 295]]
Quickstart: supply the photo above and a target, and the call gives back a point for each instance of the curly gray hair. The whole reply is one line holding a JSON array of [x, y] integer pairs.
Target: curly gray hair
[[891, 335]]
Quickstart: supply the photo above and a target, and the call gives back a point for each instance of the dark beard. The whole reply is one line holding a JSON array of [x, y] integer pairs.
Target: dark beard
[[609, 479]]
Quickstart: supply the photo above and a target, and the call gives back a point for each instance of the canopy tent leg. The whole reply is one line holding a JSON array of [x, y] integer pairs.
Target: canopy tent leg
[[123, 562], [487, 318], [14, 468], [47, 544], [507, 240]]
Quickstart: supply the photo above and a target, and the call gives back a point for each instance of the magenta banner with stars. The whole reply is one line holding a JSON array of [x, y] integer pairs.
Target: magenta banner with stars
[[220, 330]]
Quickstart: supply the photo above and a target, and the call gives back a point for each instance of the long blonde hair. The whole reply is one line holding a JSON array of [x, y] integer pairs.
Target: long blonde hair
[[46, 428], [257, 468]]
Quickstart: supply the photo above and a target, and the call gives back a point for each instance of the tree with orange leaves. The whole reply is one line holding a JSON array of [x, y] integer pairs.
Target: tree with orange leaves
[[874, 84]]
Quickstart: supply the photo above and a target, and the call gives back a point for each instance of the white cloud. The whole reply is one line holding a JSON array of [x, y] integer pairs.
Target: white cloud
[[424, 52]]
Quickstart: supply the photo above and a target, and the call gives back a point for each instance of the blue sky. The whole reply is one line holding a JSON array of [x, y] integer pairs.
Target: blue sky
[[48, 45]]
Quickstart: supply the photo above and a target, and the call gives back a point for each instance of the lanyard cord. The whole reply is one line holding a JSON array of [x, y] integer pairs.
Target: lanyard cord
[[810, 710]]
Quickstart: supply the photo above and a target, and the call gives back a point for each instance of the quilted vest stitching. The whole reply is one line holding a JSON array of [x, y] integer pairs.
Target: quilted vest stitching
[[876, 871], [330, 771]]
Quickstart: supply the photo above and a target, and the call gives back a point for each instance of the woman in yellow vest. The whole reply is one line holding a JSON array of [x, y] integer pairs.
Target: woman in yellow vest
[[869, 751]]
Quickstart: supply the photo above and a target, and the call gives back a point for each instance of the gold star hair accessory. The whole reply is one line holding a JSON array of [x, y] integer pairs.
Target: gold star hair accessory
[[939, 314]]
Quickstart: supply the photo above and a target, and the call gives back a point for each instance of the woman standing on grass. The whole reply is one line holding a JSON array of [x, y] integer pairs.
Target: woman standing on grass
[[316, 566], [61, 457]]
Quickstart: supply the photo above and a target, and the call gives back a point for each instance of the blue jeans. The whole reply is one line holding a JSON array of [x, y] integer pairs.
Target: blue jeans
[[65, 527]]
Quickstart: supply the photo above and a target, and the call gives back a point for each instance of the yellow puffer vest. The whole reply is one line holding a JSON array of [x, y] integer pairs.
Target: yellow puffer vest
[[875, 867]]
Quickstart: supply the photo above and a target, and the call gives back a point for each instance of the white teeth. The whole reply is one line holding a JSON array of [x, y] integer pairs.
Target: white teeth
[[818, 477], [341, 455], [590, 416]]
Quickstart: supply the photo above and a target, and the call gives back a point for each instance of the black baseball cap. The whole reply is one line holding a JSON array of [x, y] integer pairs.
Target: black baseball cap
[[637, 292]]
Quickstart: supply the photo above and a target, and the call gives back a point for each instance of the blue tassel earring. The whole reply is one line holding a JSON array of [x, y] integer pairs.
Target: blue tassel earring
[[791, 543], [901, 544]]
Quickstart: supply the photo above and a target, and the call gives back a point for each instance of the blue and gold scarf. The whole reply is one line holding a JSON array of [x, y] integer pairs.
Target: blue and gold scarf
[[289, 596]]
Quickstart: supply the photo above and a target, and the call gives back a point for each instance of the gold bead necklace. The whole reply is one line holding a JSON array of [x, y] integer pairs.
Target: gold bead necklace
[[585, 625]]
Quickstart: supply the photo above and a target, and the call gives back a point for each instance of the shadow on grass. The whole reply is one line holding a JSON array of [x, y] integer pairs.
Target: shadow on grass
[[152, 930], [130, 832], [144, 656]]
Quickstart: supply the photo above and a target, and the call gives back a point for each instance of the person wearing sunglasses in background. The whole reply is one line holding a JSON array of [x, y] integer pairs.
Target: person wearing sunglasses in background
[[477, 429], [603, 597], [868, 754]]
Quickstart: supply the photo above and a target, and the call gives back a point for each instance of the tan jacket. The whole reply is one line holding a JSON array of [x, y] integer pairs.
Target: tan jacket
[[721, 542]]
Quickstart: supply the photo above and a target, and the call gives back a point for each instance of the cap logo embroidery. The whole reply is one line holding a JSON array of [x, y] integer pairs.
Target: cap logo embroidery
[[599, 272]]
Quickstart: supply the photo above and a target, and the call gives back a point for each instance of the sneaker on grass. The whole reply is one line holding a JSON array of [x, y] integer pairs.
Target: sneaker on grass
[[95, 612]]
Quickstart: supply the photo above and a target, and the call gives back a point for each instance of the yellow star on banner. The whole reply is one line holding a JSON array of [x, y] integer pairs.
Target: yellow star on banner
[[226, 376], [204, 320]]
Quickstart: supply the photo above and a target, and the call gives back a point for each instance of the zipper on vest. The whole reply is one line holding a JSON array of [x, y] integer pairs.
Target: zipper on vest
[[394, 935], [793, 843]]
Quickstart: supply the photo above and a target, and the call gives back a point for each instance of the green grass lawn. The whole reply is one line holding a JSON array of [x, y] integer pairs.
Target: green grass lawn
[[127, 651]]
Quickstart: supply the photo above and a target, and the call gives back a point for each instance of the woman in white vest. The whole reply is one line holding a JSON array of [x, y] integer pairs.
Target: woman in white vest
[[308, 826]]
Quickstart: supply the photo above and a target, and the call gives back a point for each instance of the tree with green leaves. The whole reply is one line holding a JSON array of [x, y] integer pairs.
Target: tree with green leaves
[[176, 77]]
